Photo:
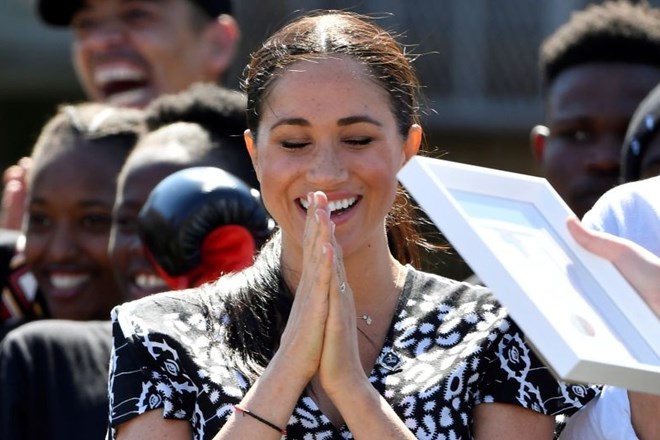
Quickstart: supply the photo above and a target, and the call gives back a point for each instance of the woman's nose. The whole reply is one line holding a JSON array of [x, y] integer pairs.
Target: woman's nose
[[327, 165]]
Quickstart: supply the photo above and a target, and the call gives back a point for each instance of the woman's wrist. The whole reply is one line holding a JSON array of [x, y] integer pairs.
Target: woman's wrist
[[361, 392], [368, 415]]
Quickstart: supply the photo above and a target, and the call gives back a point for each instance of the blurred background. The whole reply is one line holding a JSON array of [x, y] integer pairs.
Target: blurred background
[[477, 60]]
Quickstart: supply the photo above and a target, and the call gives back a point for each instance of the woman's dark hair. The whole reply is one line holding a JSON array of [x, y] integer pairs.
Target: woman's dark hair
[[256, 301], [256, 304]]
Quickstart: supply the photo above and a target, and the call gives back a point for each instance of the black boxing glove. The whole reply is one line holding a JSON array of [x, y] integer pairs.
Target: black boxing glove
[[200, 223]]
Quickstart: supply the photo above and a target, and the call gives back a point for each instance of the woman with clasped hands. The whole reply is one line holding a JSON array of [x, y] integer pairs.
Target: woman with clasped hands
[[332, 333]]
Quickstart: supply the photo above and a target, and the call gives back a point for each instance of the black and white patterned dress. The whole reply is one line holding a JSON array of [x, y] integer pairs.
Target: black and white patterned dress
[[450, 347]]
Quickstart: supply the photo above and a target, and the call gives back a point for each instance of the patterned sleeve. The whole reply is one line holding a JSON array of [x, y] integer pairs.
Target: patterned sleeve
[[512, 373], [145, 374]]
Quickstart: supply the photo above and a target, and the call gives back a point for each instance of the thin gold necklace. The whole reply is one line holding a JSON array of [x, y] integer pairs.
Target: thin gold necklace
[[366, 336], [367, 318]]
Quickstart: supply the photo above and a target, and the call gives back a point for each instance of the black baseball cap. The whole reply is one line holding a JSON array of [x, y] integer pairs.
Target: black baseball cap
[[60, 12]]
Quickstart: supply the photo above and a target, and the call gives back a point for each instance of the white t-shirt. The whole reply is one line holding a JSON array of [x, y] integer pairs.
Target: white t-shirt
[[607, 417], [631, 211]]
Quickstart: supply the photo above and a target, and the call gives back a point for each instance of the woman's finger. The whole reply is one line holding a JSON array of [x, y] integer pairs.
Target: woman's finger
[[303, 335]]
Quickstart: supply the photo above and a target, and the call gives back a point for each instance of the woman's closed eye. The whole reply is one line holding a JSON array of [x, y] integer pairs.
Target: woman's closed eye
[[359, 141], [295, 144], [353, 141]]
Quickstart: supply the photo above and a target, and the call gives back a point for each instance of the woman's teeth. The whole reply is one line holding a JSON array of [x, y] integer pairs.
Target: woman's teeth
[[341, 204], [334, 205]]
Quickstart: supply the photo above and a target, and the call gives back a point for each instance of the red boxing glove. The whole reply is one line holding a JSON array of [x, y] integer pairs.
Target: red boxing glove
[[200, 223], [227, 249]]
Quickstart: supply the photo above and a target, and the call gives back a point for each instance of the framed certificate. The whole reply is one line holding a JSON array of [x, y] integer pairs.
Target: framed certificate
[[577, 311]]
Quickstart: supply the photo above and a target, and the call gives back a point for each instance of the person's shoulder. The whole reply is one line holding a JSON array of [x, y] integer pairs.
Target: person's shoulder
[[630, 191], [447, 303], [449, 290], [167, 312], [165, 302], [48, 332], [646, 187], [614, 207], [54, 343]]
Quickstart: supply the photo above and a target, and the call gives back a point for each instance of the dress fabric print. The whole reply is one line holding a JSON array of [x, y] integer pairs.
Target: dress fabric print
[[450, 347]]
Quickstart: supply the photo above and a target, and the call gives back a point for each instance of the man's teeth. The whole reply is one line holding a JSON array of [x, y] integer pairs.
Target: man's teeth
[[107, 75], [148, 281], [67, 281], [334, 205], [128, 97]]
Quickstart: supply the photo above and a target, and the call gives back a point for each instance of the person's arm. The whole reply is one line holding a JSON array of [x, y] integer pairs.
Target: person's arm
[[274, 395], [645, 415], [365, 412], [368, 415], [14, 194], [639, 266], [333, 355], [642, 270], [501, 421], [152, 425]]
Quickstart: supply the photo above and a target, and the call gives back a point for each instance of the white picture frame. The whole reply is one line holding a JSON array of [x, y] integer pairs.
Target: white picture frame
[[577, 311]]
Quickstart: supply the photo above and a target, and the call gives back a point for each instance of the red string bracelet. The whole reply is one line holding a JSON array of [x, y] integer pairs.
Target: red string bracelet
[[259, 418]]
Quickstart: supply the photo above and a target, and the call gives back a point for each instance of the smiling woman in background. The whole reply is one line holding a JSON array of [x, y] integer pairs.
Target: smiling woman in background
[[71, 192]]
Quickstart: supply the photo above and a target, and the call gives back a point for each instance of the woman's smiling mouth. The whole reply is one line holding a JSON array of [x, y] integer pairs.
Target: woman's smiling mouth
[[335, 206]]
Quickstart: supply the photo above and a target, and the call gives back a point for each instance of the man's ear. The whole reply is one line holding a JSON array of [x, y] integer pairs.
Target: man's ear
[[538, 137], [252, 150], [223, 35]]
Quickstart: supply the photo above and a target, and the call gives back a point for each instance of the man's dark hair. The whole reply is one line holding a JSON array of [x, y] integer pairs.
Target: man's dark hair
[[614, 31], [218, 111]]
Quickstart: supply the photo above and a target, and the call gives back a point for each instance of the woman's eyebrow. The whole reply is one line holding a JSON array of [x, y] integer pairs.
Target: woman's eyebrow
[[292, 121], [358, 119], [342, 122]]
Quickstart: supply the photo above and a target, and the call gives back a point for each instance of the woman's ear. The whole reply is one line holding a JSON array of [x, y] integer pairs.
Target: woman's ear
[[252, 150], [412, 142]]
